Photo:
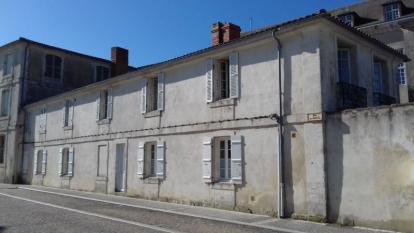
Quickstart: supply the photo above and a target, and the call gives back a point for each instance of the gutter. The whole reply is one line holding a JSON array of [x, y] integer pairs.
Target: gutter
[[279, 119]]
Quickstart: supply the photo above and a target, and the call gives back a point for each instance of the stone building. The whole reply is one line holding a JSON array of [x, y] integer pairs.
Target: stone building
[[32, 71], [203, 128], [392, 22]]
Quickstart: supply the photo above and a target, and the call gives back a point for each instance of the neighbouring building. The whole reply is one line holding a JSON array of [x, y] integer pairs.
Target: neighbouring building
[[392, 22], [32, 71], [202, 129]]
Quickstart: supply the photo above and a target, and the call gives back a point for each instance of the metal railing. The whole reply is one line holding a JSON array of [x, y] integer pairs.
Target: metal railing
[[350, 96], [382, 99]]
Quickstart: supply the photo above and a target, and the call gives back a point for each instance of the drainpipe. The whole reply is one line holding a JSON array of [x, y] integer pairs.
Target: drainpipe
[[279, 120]]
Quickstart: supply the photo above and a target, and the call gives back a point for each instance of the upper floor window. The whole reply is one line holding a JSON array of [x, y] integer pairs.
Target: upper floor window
[[379, 75], [152, 94], [2, 149], [8, 64], [53, 66], [101, 73], [344, 65], [68, 114], [348, 19], [223, 78], [104, 104], [5, 99], [402, 75], [66, 159], [392, 11]]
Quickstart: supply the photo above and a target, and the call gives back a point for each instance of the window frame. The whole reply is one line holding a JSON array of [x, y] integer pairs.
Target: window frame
[[392, 11], [53, 75], [39, 162], [67, 109], [349, 66], [350, 21], [402, 73], [222, 173], [2, 147], [6, 104], [65, 162], [8, 65], [96, 72], [221, 92], [150, 159], [103, 104], [152, 94]]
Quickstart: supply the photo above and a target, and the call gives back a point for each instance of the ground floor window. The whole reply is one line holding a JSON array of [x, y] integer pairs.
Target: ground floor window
[[150, 153], [1, 149], [39, 161], [65, 161], [222, 157]]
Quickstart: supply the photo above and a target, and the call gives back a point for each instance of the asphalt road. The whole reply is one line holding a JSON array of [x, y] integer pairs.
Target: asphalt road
[[30, 211]]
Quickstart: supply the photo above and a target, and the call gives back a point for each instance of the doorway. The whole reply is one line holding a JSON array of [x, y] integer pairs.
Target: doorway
[[120, 168]]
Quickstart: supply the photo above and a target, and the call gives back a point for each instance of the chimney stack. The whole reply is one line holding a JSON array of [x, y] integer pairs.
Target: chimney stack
[[222, 33], [119, 58]]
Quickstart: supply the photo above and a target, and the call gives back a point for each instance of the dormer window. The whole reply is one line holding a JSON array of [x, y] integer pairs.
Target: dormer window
[[348, 19], [392, 11]]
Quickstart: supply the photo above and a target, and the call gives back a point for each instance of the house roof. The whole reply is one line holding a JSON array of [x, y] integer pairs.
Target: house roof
[[25, 40], [280, 27]]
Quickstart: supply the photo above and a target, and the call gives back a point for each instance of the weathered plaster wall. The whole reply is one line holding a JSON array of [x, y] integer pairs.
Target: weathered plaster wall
[[370, 158]]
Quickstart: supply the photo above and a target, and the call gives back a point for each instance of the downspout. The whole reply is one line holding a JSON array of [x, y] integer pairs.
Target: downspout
[[279, 120]]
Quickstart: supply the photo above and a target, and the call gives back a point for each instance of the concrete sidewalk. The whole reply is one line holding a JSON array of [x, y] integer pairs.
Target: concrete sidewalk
[[285, 225]]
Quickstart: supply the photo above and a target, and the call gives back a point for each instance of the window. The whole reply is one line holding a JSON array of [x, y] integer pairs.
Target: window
[[8, 64], [67, 121], [392, 11], [53, 66], [102, 160], [66, 157], [101, 73], [379, 74], [402, 75], [150, 160], [348, 19], [344, 65], [223, 157], [39, 161], [103, 105], [65, 161], [151, 157], [42, 120], [5, 99], [222, 78], [152, 94], [2, 149]]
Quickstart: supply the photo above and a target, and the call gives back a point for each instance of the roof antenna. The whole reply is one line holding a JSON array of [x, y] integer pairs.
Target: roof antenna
[[251, 23]]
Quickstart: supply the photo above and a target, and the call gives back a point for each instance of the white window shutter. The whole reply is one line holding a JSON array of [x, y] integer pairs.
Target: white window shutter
[[71, 112], [35, 163], [209, 81], [236, 159], [44, 162], [140, 160], [64, 113], [110, 103], [60, 161], [161, 88], [234, 75], [144, 96], [98, 105], [207, 160], [160, 160], [70, 162]]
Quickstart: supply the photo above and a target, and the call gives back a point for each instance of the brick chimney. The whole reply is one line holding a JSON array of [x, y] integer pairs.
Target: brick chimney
[[222, 33], [119, 58]]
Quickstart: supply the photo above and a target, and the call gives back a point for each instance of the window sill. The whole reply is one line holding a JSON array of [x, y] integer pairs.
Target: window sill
[[102, 178], [221, 103], [2, 165], [155, 113], [151, 180], [223, 185], [65, 128], [103, 121], [2, 118], [65, 177], [42, 132], [7, 76]]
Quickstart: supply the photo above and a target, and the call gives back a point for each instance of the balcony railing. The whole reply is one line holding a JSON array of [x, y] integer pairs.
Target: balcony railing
[[382, 99], [350, 96]]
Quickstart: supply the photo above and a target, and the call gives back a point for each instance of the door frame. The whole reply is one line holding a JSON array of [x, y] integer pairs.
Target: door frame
[[125, 142]]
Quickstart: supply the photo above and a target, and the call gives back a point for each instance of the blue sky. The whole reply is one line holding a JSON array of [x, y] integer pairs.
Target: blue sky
[[152, 30]]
